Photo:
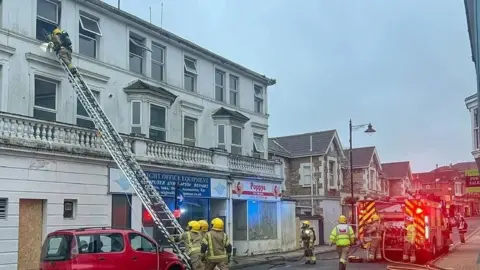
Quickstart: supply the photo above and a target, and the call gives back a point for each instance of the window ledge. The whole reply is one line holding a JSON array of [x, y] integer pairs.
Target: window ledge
[[94, 75], [7, 50], [31, 57], [195, 108]]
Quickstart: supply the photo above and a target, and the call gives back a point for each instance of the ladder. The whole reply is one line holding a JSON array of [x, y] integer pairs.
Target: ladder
[[127, 163]]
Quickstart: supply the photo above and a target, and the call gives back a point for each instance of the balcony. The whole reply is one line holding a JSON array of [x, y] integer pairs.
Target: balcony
[[22, 132]]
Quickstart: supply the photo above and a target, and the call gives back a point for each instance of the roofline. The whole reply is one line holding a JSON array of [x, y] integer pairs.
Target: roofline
[[303, 134], [470, 27], [335, 136], [275, 142], [181, 41]]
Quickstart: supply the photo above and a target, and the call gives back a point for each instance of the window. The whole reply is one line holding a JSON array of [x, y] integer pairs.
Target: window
[[190, 74], [219, 85], [373, 184], [140, 243], [233, 90], [236, 147], [189, 131], [221, 136], [262, 220], [158, 62], [57, 248], [475, 129], [136, 124], [3, 208], [96, 243], [258, 99], [258, 146], [306, 175], [157, 130], [137, 53], [48, 18], [89, 32], [45, 107], [458, 188], [69, 208], [83, 119], [331, 170], [121, 211]]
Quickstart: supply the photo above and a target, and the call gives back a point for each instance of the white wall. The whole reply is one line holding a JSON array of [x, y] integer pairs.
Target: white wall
[[331, 211], [53, 180], [109, 74], [288, 225]]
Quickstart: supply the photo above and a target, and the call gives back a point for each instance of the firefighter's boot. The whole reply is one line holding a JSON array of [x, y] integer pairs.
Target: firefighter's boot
[[341, 266]]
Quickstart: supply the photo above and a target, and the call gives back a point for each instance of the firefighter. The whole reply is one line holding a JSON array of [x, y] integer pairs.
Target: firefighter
[[308, 239], [462, 229], [374, 230], [203, 227], [193, 242], [60, 42], [343, 237], [216, 247], [367, 240], [409, 242]]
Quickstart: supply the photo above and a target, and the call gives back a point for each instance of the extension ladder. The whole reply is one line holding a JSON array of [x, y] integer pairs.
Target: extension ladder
[[126, 161]]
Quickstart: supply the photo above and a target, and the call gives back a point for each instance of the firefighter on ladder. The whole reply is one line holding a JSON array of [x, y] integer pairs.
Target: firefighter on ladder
[[343, 237], [374, 230], [308, 239], [409, 242], [193, 242]]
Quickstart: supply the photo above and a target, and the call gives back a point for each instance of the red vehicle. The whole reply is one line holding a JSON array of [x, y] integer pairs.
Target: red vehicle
[[105, 248]]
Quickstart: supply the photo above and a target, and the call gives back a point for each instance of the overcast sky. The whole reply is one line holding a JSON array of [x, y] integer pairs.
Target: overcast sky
[[404, 65]]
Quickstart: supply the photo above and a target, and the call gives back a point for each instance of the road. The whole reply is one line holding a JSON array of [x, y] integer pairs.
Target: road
[[329, 260]]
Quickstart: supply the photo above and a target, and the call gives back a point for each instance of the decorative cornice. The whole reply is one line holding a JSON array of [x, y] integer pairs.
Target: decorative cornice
[[185, 105], [43, 60], [259, 125], [5, 49], [94, 75]]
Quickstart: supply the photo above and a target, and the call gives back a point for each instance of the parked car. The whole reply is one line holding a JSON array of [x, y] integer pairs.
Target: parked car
[[105, 248]]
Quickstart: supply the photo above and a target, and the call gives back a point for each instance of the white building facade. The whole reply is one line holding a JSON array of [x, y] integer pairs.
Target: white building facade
[[190, 115], [472, 103]]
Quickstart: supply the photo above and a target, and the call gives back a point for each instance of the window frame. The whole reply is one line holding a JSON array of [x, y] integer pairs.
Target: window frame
[[4, 214], [154, 61], [303, 180], [235, 91], [57, 8], [35, 107], [95, 20], [219, 144], [331, 180], [261, 137], [149, 119], [73, 210], [223, 87], [241, 140], [190, 73], [194, 140], [133, 125], [154, 245], [140, 42], [86, 118], [259, 98]]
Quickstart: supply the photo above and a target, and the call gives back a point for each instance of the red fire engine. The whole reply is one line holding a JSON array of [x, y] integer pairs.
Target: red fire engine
[[433, 229]]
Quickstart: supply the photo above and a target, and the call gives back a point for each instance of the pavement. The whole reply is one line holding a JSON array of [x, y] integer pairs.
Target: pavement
[[327, 258]]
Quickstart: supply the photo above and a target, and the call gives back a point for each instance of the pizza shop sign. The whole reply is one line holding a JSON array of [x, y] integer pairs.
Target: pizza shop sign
[[251, 190]]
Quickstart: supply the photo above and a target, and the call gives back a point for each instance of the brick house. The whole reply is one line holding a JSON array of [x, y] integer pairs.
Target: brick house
[[399, 176], [312, 165], [368, 177]]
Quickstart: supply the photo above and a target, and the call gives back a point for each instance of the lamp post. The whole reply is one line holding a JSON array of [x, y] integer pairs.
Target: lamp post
[[352, 128]]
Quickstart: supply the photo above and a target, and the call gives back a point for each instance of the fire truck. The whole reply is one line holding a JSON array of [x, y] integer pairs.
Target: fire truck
[[430, 217]]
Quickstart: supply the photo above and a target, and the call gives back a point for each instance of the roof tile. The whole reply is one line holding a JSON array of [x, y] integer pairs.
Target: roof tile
[[396, 169], [299, 145], [361, 156]]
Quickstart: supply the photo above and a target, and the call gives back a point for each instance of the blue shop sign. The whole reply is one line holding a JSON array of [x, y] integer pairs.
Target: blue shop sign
[[191, 186]]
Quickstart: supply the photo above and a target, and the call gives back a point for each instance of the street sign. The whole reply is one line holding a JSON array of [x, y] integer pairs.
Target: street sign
[[179, 197]]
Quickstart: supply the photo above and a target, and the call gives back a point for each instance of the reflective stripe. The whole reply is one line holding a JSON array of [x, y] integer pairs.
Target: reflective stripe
[[411, 206], [366, 211], [211, 256]]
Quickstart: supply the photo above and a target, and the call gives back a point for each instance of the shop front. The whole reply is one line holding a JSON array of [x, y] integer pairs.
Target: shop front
[[256, 217], [200, 198]]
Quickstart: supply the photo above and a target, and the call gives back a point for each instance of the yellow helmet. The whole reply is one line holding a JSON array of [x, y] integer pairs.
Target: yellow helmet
[[375, 217], [305, 224], [203, 225], [190, 224], [57, 31], [342, 219], [217, 224], [195, 226]]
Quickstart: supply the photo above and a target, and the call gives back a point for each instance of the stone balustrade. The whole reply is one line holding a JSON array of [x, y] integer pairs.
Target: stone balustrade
[[22, 130]]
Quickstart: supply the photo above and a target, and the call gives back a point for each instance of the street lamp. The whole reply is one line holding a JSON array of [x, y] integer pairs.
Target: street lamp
[[352, 128]]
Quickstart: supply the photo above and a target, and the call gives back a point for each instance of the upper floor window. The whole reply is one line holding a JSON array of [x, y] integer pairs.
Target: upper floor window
[[137, 49], [331, 175], [45, 106], [190, 74], [189, 131], [221, 136], [236, 146], [89, 33], [258, 103], [158, 62], [83, 119], [258, 146], [48, 18], [475, 117], [306, 175], [158, 120], [136, 120], [233, 84], [219, 85]]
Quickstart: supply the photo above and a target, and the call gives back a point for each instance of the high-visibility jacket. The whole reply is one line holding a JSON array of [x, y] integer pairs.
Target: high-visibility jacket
[[217, 246], [342, 235], [411, 233], [193, 242]]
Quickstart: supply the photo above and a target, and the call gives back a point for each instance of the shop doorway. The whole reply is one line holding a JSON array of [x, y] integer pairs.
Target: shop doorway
[[30, 233], [218, 209]]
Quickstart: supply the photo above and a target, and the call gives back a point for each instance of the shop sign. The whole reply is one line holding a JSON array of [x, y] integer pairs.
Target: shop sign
[[253, 190], [218, 188], [164, 183], [472, 184]]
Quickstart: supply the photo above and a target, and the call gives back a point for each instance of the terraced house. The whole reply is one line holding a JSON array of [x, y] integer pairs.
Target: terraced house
[[313, 174], [189, 116]]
